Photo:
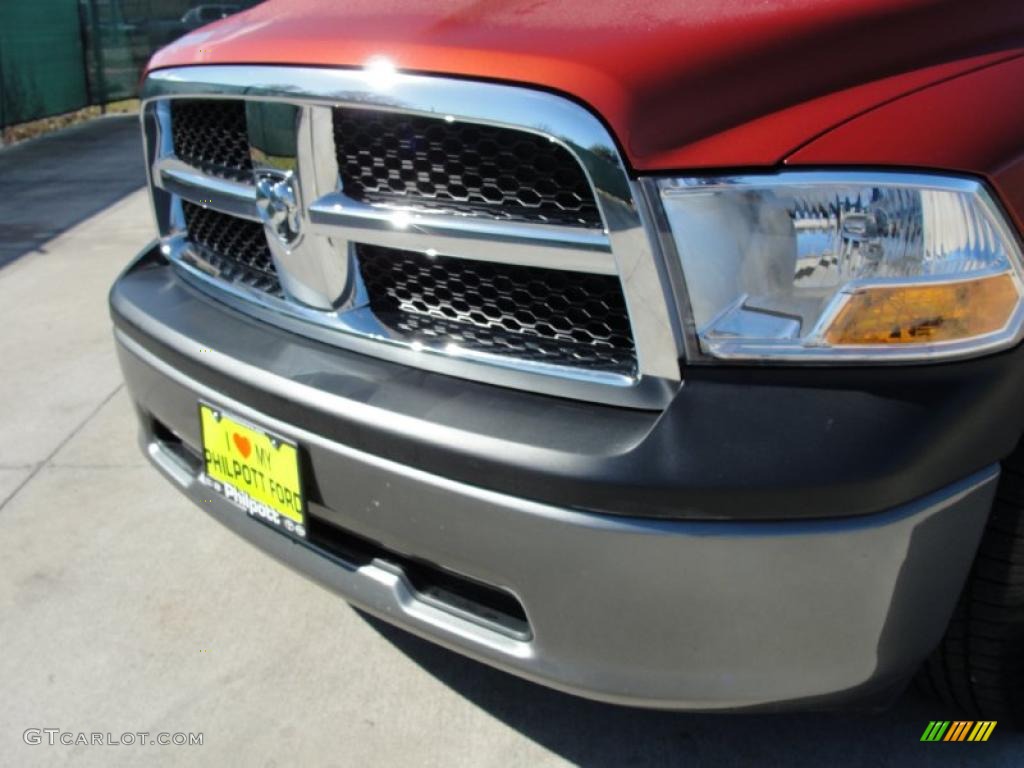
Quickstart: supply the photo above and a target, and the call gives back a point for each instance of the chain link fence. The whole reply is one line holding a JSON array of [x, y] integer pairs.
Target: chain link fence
[[58, 56]]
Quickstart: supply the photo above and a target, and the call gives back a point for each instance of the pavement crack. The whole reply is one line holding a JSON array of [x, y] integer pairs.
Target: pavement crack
[[72, 465], [55, 451]]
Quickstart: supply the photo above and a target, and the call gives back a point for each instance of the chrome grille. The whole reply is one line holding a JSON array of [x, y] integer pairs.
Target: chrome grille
[[473, 229], [431, 163], [235, 247], [541, 315], [210, 134]]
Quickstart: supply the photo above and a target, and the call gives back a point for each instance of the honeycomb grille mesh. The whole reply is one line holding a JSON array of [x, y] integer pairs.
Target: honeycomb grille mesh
[[530, 313], [236, 247], [210, 134], [430, 163]]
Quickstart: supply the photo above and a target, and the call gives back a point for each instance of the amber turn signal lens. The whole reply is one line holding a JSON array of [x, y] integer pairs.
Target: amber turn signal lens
[[919, 314]]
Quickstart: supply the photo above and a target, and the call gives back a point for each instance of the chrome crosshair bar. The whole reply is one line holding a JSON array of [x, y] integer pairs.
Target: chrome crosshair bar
[[312, 226]]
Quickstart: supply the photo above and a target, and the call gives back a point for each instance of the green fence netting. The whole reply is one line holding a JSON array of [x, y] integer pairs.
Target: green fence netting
[[60, 55], [41, 64]]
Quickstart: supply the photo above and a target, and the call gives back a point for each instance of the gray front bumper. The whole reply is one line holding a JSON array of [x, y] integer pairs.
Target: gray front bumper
[[672, 614]]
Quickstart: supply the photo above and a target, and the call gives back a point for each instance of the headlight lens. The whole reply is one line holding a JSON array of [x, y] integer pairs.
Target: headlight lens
[[807, 266]]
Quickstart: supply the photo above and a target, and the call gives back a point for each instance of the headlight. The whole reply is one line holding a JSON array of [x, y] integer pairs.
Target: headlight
[[824, 266]]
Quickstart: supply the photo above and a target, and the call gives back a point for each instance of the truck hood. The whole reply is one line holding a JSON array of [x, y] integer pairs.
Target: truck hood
[[682, 83]]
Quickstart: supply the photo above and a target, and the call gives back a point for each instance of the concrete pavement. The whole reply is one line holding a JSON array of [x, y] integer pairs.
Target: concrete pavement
[[51, 183], [124, 609]]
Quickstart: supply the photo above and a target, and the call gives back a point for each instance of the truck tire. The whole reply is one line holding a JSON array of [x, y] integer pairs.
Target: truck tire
[[979, 666]]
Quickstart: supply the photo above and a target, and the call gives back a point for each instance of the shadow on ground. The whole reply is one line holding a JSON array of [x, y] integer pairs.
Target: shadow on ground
[[49, 184], [593, 734]]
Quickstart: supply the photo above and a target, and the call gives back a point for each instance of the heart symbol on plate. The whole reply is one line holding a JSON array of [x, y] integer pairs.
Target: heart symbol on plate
[[242, 444]]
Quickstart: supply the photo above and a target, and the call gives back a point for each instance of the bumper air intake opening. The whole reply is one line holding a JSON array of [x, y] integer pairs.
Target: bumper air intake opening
[[491, 607], [175, 446]]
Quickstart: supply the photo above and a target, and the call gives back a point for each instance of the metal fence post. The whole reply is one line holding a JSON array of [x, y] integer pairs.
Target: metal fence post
[[83, 22], [3, 98], [95, 37]]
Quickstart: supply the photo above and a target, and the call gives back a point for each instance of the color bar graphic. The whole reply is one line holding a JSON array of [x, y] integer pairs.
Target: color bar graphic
[[958, 730]]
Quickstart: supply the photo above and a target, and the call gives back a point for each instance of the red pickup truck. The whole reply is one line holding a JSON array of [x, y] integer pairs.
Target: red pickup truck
[[668, 355]]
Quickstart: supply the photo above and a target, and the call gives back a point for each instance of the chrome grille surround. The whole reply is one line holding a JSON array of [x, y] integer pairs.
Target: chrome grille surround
[[323, 295]]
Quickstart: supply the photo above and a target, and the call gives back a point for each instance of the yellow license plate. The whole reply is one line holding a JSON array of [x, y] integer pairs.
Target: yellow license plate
[[254, 470]]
